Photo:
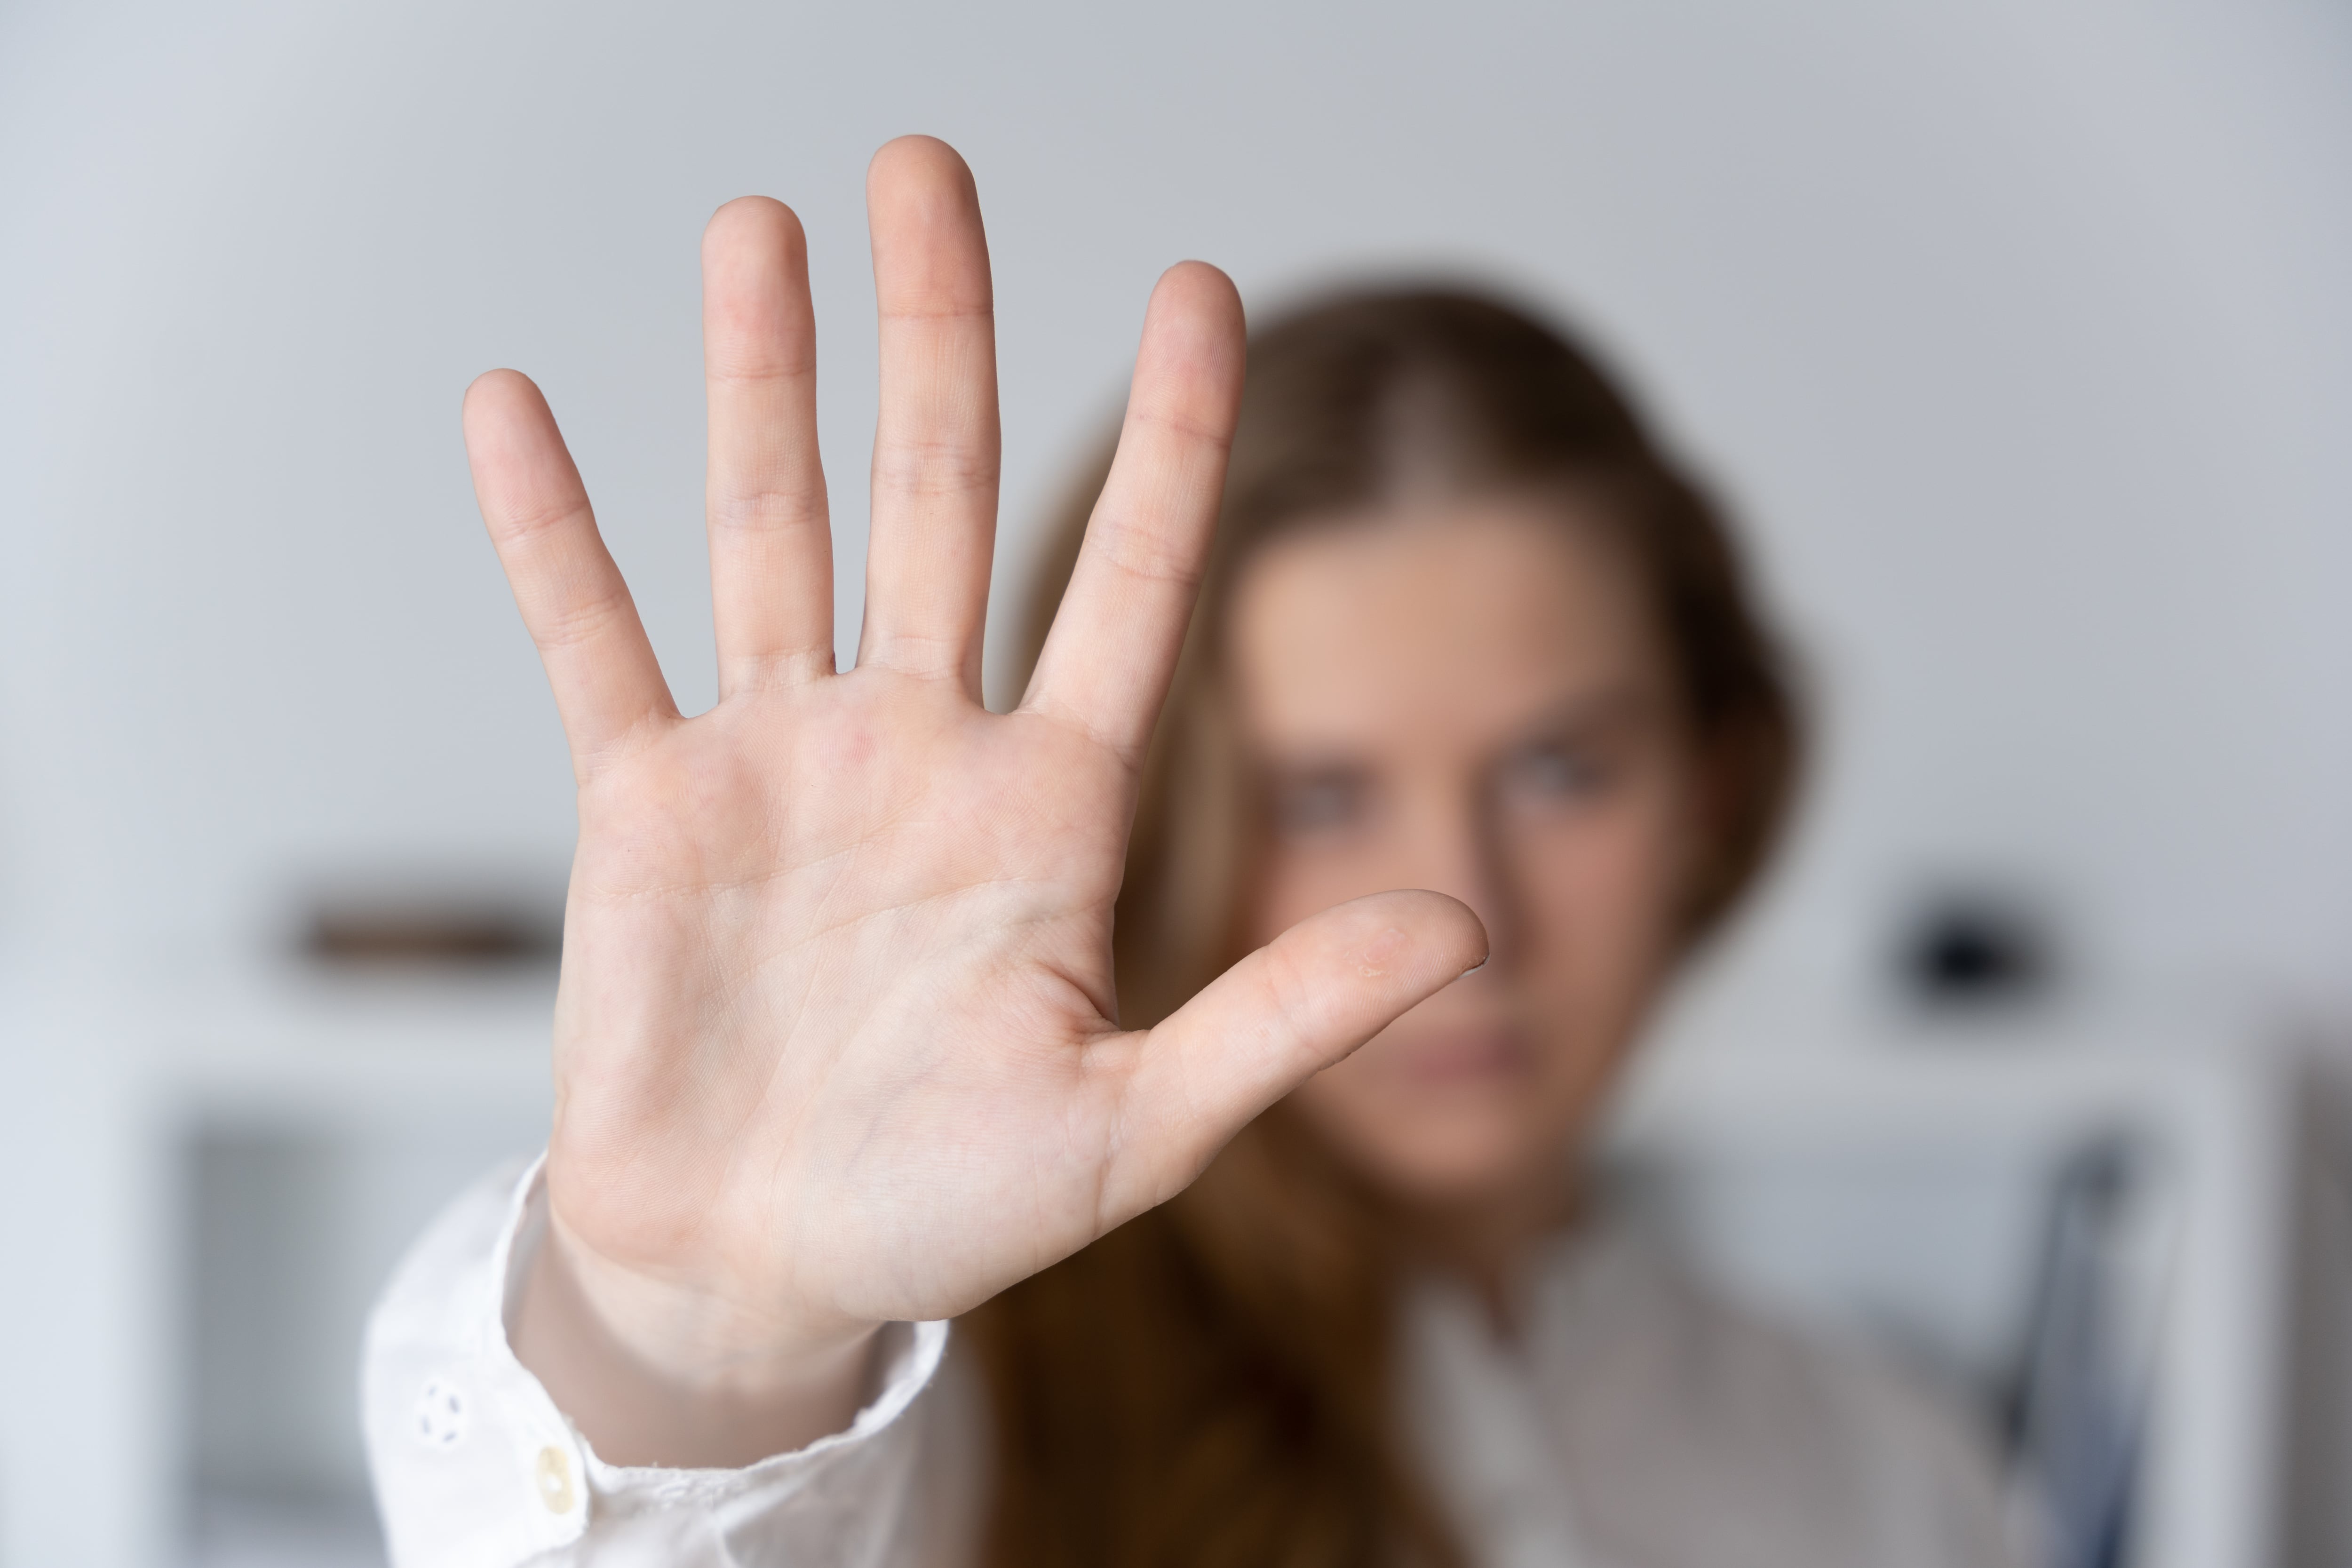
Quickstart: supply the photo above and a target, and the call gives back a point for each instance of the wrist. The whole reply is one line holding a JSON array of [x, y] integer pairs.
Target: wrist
[[656, 1372]]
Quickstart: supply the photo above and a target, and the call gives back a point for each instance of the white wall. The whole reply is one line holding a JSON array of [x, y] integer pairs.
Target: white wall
[[2022, 333]]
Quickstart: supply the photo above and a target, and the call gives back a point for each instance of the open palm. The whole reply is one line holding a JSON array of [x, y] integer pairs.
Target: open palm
[[835, 1038]]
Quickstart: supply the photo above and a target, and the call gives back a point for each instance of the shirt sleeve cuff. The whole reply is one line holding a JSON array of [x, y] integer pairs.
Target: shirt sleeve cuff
[[476, 1467]]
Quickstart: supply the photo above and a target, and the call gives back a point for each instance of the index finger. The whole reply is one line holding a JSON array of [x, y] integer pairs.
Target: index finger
[[1112, 651], [607, 684]]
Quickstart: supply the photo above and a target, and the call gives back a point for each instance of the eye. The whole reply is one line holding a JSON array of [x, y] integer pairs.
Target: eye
[[1317, 802], [1555, 771]]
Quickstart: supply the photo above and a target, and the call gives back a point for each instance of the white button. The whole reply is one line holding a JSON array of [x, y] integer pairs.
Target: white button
[[441, 1414], [555, 1479]]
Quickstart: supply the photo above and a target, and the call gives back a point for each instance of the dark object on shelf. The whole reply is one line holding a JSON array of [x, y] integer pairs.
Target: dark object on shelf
[[412, 924], [1964, 950], [407, 937]]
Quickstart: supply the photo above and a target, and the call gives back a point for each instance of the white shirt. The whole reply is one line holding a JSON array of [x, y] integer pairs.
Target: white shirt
[[1638, 1422]]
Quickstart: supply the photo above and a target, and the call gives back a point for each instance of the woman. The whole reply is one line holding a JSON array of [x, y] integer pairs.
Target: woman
[[845, 1046]]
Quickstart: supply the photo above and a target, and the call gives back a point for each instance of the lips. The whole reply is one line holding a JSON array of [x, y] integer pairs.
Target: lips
[[1462, 1058]]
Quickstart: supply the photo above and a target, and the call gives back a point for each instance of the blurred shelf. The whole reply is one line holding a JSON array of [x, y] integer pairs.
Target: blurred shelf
[[293, 1042]]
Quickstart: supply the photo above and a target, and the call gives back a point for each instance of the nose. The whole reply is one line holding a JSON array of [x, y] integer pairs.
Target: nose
[[1460, 852]]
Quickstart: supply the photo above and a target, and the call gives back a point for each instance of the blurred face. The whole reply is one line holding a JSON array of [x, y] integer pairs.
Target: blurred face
[[1470, 699]]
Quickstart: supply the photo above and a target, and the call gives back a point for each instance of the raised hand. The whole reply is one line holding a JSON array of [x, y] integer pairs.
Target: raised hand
[[836, 1043]]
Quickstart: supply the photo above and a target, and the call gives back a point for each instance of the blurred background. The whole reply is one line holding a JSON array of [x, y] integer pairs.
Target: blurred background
[[2017, 334]]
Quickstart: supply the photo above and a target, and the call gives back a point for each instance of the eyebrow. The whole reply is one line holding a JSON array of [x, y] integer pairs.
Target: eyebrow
[[1579, 714], [1607, 708]]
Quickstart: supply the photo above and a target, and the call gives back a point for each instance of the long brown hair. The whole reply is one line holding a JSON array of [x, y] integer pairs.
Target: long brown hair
[[1210, 1384]]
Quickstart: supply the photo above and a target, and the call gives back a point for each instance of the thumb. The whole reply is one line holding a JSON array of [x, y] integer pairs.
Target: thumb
[[1274, 1020]]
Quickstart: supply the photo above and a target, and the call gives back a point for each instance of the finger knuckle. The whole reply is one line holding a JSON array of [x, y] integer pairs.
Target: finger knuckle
[[573, 622], [1184, 427], [1297, 999], [528, 523], [785, 507], [935, 466], [1140, 551]]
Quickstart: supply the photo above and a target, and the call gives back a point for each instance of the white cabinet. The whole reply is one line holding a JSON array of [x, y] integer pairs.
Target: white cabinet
[[1898, 1180], [206, 1181]]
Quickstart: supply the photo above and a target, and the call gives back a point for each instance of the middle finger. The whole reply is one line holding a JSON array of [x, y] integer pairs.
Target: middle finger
[[771, 544], [935, 443]]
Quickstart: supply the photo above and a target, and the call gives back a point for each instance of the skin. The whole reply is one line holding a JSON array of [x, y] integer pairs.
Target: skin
[[833, 1041], [1470, 697]]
